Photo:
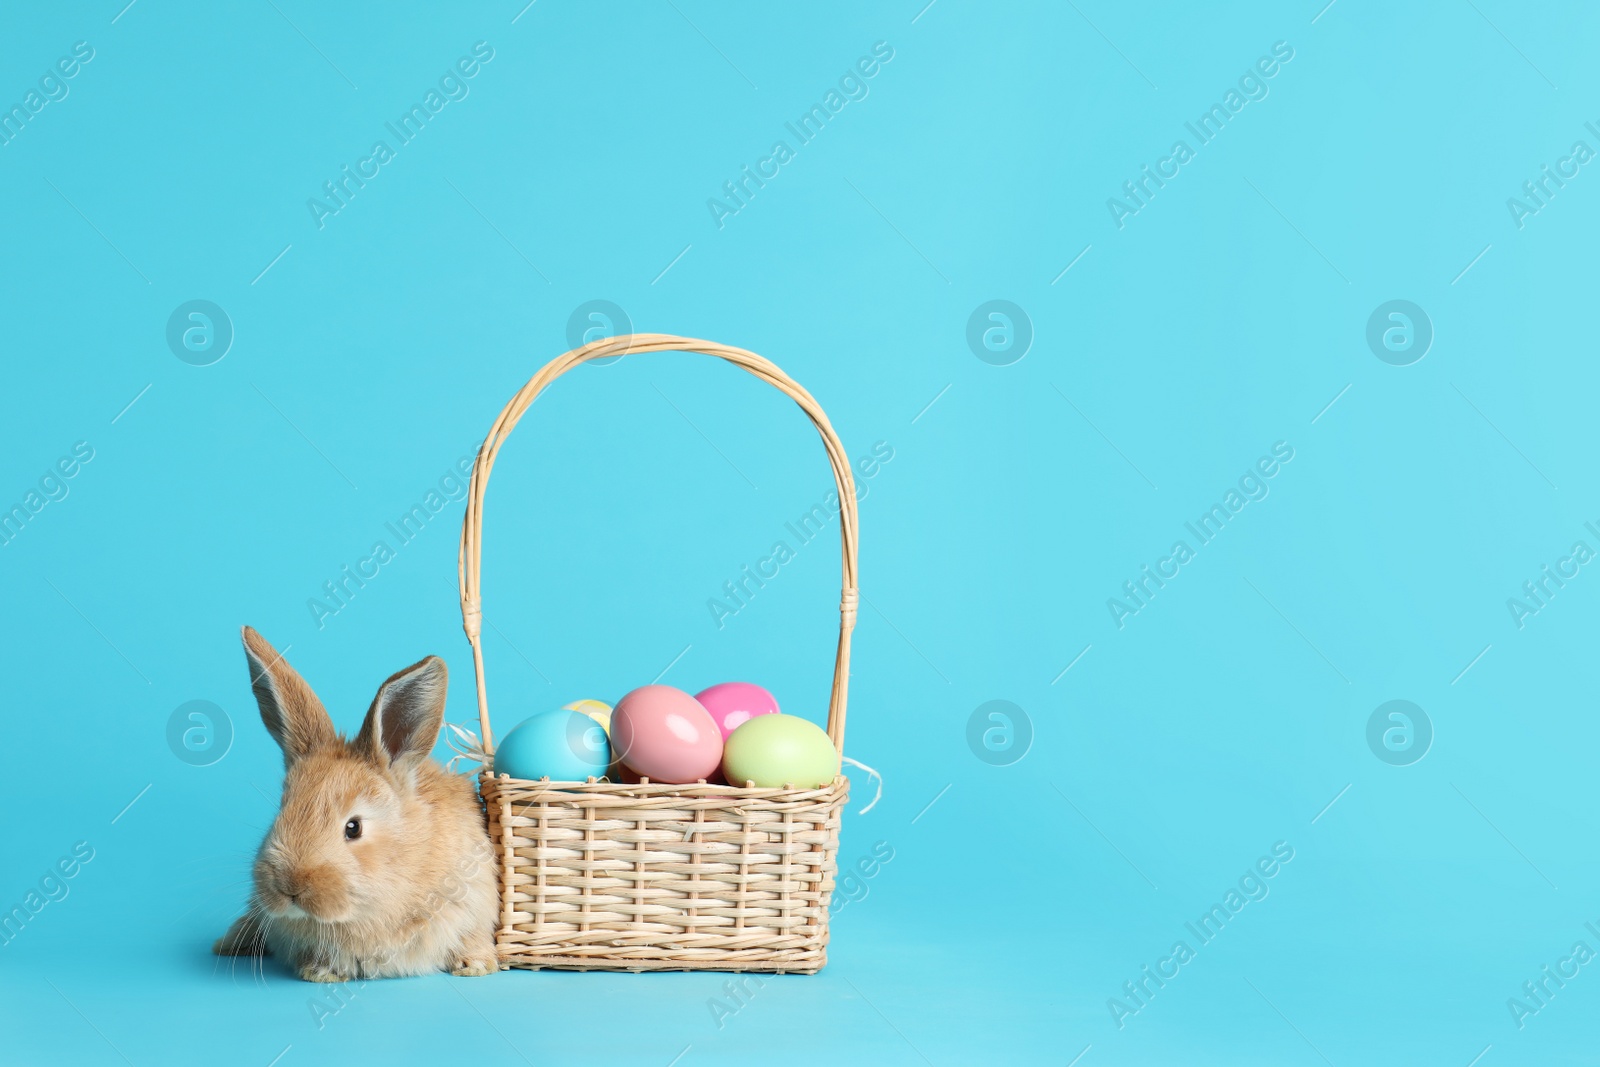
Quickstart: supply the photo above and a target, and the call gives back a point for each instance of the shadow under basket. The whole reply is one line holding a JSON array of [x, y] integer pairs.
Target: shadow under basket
[[653, 877], [657, 877]]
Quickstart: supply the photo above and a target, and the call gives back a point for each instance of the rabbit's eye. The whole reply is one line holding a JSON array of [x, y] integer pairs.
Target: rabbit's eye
[[352, 829]]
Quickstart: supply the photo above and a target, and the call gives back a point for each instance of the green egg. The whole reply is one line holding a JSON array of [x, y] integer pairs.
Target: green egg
[[778, 750]]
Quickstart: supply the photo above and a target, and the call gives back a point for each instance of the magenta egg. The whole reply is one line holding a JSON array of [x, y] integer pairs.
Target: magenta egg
[[732, 704], [664, 734]]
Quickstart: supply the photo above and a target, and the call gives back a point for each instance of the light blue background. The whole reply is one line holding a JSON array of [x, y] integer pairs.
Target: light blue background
[[1224, 317]]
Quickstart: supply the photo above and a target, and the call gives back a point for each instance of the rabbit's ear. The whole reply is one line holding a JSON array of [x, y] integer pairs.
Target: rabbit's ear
[[292, 713], [407, 714]]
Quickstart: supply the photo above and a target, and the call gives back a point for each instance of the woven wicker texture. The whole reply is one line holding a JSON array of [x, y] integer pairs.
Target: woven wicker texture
[[608, 876]]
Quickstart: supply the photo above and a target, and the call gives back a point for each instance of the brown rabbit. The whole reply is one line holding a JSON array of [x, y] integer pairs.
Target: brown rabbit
[[379, 863]]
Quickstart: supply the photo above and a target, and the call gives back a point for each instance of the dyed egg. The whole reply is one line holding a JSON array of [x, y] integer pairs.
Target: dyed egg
[[732, 704], [564, 746], [598, 710], [778, 750], [665, 735]]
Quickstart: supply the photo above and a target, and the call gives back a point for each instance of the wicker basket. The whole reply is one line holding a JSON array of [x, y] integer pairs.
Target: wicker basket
[[598, 875]]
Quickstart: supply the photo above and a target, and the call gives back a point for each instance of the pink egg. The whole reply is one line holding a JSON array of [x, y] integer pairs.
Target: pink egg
[[732, 704], [665, 735]]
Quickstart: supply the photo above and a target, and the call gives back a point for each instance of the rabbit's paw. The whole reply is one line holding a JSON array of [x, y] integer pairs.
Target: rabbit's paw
[[476, 965], [322, 971]]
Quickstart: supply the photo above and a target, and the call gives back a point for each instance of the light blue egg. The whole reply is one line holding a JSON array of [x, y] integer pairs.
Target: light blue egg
[[564, 746]]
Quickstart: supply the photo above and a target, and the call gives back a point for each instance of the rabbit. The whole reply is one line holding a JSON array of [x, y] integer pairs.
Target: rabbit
[[379, 863]]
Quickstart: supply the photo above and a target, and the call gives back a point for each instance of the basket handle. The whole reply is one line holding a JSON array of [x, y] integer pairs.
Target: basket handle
[[468, 564]]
